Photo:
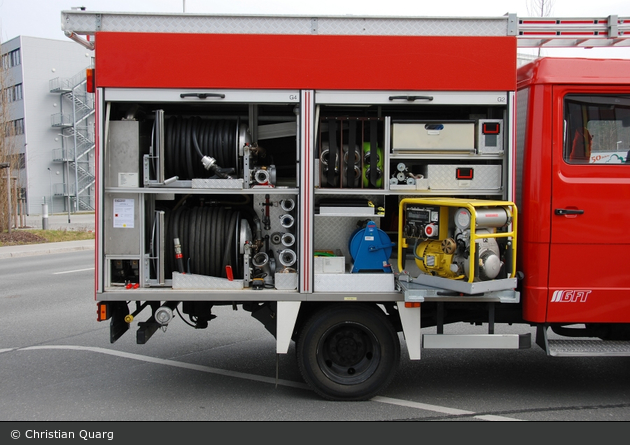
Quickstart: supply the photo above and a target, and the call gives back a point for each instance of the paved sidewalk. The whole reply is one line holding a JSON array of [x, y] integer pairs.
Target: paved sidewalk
[[42, 249], [79, 221], [59, 221]]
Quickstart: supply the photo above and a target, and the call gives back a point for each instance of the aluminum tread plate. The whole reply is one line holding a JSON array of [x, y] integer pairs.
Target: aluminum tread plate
[[588, 348], [84, 22]]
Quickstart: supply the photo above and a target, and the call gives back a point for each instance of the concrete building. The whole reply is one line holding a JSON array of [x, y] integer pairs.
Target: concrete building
[[52, 117]]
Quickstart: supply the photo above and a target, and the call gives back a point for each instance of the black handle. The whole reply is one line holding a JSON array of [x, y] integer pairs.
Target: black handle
[[411, 98], [569, 211], [202, 95]]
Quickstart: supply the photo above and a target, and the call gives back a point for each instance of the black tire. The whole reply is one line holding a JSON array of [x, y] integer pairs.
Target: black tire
[[348, 352]]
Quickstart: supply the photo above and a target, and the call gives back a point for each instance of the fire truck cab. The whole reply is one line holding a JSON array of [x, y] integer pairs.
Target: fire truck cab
[[573, 145]]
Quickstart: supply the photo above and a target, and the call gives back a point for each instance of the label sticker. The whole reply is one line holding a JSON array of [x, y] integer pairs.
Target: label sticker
[[124, 213]]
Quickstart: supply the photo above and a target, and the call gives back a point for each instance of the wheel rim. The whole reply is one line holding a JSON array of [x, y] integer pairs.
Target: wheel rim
[[348, 353]]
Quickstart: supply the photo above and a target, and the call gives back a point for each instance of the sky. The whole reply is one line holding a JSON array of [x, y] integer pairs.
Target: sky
[[42, 18]]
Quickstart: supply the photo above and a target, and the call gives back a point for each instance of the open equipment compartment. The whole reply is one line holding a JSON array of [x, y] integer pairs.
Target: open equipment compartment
[[424, 144], [199, 187]]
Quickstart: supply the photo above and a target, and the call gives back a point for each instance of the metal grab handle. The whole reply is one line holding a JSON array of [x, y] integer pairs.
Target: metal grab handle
[[569, 212], [411, 98], [202, 95]]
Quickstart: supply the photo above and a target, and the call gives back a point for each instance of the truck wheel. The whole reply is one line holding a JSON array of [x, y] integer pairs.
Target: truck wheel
[[348, 352]]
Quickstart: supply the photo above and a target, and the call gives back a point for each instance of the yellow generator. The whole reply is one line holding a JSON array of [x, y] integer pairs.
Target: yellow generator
[[458, 239]]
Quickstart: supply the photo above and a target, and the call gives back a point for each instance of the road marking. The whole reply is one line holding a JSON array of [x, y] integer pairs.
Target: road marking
[[72, 271], [257, 378], [161, 361], [424, 406], [6, 350], [493, 418]]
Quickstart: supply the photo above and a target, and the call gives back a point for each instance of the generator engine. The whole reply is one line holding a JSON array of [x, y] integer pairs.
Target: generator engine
[[443, 248], [436, 258]]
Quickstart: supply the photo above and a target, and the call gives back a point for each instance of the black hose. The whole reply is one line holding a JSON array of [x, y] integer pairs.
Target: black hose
[[188, 139], [209, 240]]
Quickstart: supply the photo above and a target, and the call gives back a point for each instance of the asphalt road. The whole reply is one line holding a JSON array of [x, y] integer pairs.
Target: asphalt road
[[56, 364]]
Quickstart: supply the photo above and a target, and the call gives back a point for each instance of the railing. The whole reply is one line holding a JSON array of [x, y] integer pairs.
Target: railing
[[66, 84], [62, 189], [60, 155], [61, 120]]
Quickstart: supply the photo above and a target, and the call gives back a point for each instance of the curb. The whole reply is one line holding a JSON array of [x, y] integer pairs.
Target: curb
[[43, 251]]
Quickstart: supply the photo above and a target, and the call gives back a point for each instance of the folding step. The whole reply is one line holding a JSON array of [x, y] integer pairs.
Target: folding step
[[581, 347], [588, 348]]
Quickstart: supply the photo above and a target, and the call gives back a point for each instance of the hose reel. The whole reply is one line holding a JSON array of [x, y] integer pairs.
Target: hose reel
[[370, 248], [210, 241], [196, 147]]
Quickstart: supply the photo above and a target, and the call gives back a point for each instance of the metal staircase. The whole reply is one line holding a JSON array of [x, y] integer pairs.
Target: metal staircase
[[77, 141]]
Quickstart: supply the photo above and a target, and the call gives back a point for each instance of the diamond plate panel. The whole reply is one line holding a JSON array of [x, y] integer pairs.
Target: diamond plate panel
[[485, 177], [412, 26], [90, 22], [191, 281], [333, 232], [286, 281], [588, 348], [357, 282], [200, 183]]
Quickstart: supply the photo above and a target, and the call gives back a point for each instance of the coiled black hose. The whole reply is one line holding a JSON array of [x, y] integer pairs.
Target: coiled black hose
[[188, 139], [209, 238]]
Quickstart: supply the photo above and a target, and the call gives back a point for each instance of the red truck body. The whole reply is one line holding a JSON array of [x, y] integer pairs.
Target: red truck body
[[573, 263], [348, 179]]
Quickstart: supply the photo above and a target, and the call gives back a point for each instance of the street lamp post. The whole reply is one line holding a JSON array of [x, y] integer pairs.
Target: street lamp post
[[8, 166], [52, 199]]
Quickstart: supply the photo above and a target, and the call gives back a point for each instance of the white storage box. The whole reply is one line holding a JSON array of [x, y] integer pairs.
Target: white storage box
[[433, 136], [330, 264]]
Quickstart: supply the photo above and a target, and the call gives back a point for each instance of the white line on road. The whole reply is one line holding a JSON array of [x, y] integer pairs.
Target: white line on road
[[72, 271], [161, 361], [424, 406], [257, 378]]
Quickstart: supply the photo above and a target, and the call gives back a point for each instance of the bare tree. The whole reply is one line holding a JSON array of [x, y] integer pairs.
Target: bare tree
[[9, 159], [539, 8]]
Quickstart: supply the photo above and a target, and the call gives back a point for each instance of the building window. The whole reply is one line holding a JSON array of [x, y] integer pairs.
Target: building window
[[11, 59], [597, 129], [14, 93], [21, 161], [14, 128]]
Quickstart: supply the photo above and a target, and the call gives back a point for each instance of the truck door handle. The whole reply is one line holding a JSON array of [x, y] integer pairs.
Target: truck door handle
[[202, 95], [411, 98], [569, 212]]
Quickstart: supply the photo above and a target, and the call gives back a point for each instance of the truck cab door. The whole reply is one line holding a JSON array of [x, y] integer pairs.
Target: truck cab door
[[589, 278]]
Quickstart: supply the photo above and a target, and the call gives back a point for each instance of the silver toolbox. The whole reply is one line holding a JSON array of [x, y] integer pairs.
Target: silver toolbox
[[122, 223], [122, 155], [463, 177], [433, 136]]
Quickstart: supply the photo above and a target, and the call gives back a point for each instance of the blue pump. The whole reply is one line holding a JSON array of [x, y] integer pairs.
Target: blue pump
[[371, 249]]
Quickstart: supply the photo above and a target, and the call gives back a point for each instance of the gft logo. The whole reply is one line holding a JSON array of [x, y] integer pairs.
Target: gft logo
[[570, 296]]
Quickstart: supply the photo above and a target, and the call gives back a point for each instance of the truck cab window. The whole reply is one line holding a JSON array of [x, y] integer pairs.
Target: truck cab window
[[597, 129]]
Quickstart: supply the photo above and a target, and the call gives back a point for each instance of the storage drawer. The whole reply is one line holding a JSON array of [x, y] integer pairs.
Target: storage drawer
[[459, 177], [433, 136]]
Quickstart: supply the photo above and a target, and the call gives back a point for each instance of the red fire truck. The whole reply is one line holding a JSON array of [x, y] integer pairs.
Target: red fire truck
[[347, 179]]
